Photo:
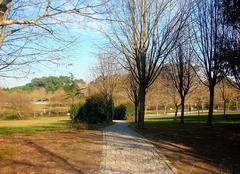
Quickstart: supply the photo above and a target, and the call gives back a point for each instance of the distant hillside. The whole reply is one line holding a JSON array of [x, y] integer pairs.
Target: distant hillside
[[51, 83]]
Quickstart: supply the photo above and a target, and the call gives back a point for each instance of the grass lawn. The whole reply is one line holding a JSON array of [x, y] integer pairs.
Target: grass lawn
[[8, 127], [196, 148], [49, 145]]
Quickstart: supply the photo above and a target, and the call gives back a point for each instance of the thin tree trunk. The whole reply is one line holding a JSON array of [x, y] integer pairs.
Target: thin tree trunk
[[165, 109], [224, 109], [229, 106], [176, 111], [211, 105], [142, 93], [136, 111], [182, 109]]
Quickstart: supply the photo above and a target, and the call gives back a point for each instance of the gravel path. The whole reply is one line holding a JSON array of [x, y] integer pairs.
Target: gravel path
[[126, 151]]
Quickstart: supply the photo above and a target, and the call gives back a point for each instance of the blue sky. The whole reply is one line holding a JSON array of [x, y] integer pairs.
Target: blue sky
[[80, 59]]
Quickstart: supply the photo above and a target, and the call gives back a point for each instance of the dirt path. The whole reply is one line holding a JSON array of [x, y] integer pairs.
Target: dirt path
[[125, 151]]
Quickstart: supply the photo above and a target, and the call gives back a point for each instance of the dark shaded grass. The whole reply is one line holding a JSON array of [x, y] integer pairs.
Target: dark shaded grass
[[218, 144]]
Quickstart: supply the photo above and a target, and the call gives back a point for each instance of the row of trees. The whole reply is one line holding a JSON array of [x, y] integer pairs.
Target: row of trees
[[18, 104], [184, 38], [187, 39]]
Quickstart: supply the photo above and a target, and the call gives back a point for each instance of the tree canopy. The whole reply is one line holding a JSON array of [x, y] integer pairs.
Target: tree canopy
[[52, 83]]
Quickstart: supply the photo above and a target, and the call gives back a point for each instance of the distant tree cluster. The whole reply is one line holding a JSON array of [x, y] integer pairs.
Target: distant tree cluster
[[52, 83]]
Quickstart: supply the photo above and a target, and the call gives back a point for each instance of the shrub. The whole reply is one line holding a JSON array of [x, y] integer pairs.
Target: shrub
[[74, 109], [94, 110], [130, 109], [120, 112]]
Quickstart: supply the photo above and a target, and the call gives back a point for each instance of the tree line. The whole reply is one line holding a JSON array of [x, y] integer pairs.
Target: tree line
[[187, 39], [52, 83]]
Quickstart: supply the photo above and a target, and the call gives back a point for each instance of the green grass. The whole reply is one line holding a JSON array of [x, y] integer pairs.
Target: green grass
[[34, 128], [10, 127], [217, 118]]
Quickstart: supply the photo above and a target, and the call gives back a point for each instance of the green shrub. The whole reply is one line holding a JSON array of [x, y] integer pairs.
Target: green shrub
[[94, 110], [130, 109], [120, 112], [74, 109]]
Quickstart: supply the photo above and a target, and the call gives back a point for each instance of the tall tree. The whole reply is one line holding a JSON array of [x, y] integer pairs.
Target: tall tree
[[228, 94], [144, 33], [208, 32], [131, 88], [168, 85], [180, 70], [107, 73], [230, 9]]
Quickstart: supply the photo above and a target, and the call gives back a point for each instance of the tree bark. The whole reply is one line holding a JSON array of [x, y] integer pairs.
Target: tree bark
[[211, 105], [224, 108], [136, 111], [176, 111], [142, 94], [182, 109]]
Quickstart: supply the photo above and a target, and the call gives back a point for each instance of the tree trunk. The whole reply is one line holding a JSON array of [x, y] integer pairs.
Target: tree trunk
[[224, 108], [165, 109], [176, 111], [142, 94], [110, 108], [211, 105], [229, 106], [182, 109], [136, 111]]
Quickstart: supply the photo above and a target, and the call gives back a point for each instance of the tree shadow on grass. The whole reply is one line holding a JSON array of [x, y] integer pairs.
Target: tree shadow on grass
[[55, 157], [218, 144]]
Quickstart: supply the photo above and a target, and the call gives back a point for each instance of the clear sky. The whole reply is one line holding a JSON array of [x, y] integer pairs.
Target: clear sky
[[80, 58]]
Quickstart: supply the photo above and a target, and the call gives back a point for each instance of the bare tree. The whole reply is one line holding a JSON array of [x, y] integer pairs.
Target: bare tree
[[180, 71], [107, 73], [144, 33], [208, 32], [131, 88], [228, 93], [172, 92], [35, 31]]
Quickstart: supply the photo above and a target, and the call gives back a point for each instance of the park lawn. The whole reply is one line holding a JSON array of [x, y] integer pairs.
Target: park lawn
[[8, 127], [49, 145], [196, 148]]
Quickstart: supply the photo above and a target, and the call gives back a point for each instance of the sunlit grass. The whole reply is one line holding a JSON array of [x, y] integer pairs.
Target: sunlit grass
[[233, 118], [9, 127], [37, 128]]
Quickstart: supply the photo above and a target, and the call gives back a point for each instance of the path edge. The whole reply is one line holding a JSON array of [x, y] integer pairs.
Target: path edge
[[169, 164]]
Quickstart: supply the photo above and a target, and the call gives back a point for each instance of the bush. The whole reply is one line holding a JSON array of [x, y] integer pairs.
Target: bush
[[120, 112], [130, 109], [94, 110], [74, 111]]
